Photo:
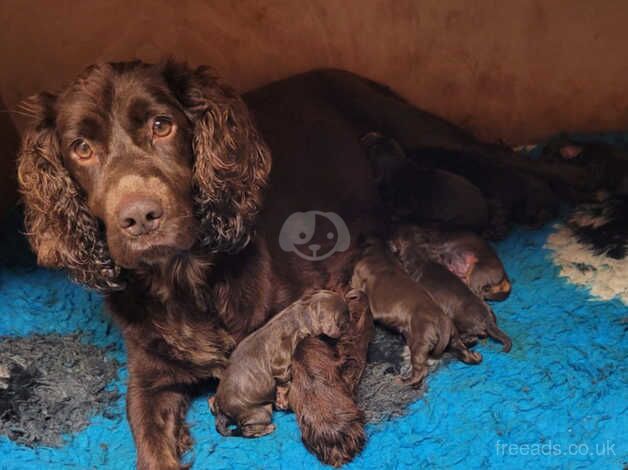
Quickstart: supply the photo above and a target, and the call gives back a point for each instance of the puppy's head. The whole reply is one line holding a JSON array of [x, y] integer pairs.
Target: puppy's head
[[329, 312]]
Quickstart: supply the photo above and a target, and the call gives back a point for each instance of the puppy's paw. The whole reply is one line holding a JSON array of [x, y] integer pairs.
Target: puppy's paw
[[281, 397], [211, 402], [472, 357], [258, 430], [416, 377]]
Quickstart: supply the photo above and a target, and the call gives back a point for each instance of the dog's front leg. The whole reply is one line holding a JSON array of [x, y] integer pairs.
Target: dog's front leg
[[156, 415]]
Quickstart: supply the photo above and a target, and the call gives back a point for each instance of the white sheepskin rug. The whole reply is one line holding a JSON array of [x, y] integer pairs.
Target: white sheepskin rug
[[590, 249]]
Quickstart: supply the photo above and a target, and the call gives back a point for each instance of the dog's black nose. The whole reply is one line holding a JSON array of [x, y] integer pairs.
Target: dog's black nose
[[140, 216]]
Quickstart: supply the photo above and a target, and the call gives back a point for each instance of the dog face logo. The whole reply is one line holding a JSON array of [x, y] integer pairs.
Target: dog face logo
[[314, 235]]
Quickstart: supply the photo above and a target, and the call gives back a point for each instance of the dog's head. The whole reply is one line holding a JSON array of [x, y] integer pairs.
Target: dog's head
[[133, 163]]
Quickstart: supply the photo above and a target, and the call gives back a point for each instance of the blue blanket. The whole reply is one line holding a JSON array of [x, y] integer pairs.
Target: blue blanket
[[558, 400]]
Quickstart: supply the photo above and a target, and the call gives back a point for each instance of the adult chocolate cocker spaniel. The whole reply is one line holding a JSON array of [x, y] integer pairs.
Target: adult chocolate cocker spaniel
[[153, 185]]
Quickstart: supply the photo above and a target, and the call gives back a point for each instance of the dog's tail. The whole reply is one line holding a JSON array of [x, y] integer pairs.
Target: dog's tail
[[494, 332], [331, 424]]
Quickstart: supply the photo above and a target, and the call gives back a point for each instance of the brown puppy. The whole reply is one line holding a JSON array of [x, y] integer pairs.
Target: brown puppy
[[465, 254], [247, 388], [324, 383], [401, 304], [472, 316]]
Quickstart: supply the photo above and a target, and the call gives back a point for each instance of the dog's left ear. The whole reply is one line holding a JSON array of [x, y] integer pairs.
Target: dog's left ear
[[232, 162]]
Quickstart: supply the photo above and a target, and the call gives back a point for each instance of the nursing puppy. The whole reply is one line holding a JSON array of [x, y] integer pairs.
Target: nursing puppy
[[324, 380], [414, 194], [247, 388], [352, 347], [402, 305], [465, 254], [472, 316]]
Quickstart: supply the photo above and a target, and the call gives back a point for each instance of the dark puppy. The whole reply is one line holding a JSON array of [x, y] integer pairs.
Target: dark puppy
[[323, 386], [401, 304], [463, 253], [513, 195], [415, 194], [472, 316], [247, 388], [578, 170]]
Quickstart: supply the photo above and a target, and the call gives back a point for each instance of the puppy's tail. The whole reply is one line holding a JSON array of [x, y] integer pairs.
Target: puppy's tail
[[498, 335], [331, 424]]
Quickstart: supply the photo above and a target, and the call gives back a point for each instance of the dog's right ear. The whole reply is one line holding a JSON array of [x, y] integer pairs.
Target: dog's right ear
[[59, 226]]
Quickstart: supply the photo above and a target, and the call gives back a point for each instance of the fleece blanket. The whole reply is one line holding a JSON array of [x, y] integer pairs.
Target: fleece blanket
[[559, 399]]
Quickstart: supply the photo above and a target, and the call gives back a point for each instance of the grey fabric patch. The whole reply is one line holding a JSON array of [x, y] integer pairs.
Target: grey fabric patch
[[51, 385], [380, 394]]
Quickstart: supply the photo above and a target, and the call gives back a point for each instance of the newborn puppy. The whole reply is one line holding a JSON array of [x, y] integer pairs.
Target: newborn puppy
[[472, 316], [465, 254], [352, 346], [322, 389], [521, 197], [247, 389], [401, 304], [419, 195]]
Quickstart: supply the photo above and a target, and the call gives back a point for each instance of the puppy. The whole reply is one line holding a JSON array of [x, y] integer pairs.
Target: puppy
[[322, 389], [401, 304], [415, 194], [472, 316], [247, 389], [465, 254]]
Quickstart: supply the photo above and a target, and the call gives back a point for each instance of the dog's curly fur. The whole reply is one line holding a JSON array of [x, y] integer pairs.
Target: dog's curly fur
[[324, 405], [59, 226]]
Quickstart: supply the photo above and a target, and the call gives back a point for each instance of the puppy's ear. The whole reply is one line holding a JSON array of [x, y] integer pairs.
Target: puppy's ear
[[59, 226], [232, 162], [461, 264]]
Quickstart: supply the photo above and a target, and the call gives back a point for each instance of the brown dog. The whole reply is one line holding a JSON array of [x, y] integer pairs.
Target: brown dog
[[247, 389], [323, 384], [401, 304], [472, 316], [465, 254]]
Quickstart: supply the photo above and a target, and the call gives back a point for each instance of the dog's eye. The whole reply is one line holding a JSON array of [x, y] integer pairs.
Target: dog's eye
[[162, 126], [82, 149]]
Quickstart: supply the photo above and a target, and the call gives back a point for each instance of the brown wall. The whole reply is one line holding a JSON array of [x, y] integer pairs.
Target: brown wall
[[513, 70]]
